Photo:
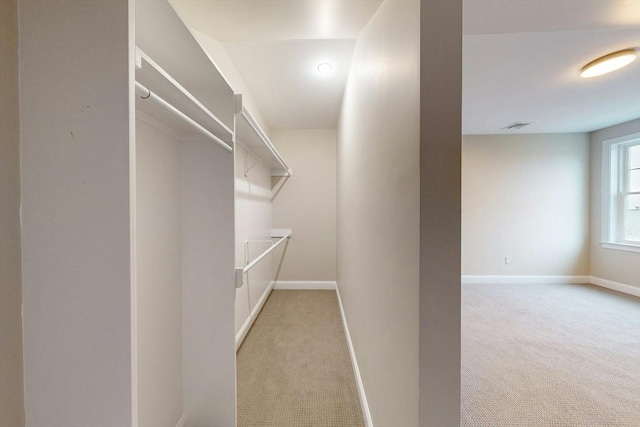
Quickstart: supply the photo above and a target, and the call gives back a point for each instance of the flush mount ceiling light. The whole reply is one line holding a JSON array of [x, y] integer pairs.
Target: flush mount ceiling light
[[609, 63], [325, 68]]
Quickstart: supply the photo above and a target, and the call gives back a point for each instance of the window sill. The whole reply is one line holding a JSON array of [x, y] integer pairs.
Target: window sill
[[621, 247]]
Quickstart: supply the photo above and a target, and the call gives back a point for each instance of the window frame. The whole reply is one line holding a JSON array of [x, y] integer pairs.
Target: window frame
[[615, 192]]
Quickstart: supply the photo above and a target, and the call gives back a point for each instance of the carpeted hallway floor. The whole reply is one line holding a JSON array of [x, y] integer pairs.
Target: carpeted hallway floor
[[532, 355], [293, 368], [549, 355]]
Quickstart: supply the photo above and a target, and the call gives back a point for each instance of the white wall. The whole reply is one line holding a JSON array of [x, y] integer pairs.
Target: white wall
[[159, 277], [253, 224], [225, 64], [378, 211], [306, 203], [609, 264], [11, 381], [525, 197], [74, 150], [208, 290]]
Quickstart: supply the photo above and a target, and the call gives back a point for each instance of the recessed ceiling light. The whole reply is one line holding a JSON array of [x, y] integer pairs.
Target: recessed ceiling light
[[325, 68], [609, 63]]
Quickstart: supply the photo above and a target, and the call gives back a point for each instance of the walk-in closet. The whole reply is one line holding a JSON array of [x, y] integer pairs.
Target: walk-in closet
[[184, 199], [250, 213], [220, 212]]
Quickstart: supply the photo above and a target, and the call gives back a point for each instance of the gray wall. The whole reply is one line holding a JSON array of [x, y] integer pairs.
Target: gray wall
[[525, 197], [440, 156], [609, 264], [11, 384], [378, 210], [75, 211], [399, 154]]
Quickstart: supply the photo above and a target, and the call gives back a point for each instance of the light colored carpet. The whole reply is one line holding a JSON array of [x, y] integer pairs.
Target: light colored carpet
[[293, 368], [549, 355]]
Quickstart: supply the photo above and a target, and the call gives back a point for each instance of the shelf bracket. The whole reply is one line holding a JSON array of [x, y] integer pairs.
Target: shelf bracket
[[239, 278]]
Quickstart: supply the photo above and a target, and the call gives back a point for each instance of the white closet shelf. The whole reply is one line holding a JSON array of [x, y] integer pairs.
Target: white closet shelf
[[253, 138], [162, 35], [144, 96], [163, 85]]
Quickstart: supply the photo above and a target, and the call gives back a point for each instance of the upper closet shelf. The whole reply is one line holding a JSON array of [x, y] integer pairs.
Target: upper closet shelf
[[251, 136], [160, 96], [171, 64]]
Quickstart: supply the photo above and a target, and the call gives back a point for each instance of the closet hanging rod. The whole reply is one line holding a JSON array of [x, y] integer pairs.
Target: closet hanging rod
[[249, 118], [146, 94], [264, 254]]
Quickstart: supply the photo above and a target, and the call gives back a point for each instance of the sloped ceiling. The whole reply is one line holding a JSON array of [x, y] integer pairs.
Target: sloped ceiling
[[277, 46]]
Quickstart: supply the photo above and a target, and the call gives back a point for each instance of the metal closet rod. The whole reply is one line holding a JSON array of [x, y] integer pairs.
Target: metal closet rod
[[264, 254], [146, 94]]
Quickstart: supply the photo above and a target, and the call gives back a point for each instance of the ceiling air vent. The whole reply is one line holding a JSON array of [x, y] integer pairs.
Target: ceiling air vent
[[516, 125]]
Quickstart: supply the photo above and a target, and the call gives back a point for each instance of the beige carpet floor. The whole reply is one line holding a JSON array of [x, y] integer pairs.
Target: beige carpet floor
[[293, 368], [549, 355]]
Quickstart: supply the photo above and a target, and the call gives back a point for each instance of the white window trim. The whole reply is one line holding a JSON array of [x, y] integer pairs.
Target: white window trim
[[609, 204], [621, 247]]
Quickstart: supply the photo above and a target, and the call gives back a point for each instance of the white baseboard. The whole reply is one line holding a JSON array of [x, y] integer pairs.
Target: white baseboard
[[524, 279], [616, 286], [304, 285], [609, 284], [242, 333], [366, 414], [182, 421]]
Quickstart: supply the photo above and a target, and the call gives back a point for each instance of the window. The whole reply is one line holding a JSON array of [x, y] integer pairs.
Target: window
[[621, 193]]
